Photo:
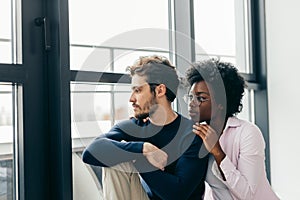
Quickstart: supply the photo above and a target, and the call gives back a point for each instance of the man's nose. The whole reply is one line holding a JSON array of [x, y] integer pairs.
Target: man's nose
[[132, 98]]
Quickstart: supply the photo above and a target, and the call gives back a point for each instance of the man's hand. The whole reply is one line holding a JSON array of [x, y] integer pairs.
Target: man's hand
[[155, 156]]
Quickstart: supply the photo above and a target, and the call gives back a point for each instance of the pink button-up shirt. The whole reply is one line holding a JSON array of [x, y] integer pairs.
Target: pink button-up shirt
[[243, 166]]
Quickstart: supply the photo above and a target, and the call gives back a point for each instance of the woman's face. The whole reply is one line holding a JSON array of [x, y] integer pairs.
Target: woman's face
[[200, 104]]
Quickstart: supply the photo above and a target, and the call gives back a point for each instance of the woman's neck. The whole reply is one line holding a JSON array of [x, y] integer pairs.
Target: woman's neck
[[219, 123]]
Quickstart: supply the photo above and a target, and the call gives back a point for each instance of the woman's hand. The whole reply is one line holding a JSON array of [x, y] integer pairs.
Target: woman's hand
[[211, 141], [208, 135]]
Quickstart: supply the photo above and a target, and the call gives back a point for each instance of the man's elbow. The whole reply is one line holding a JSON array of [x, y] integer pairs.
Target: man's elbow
[[86, 157]]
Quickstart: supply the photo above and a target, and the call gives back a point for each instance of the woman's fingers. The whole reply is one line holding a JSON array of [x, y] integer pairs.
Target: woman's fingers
[[207, 134], [200, 131]]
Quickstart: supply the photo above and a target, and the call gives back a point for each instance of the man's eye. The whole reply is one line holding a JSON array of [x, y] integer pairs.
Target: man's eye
[[137, 90]]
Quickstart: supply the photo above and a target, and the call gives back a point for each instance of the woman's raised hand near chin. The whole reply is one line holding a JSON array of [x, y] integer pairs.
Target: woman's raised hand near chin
[[210, 140], [207, 134]]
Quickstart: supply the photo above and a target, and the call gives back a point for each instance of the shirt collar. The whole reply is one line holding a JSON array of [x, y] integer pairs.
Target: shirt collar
[[233, 122]]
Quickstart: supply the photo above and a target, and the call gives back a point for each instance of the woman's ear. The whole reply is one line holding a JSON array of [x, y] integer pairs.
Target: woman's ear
[[220, 107]]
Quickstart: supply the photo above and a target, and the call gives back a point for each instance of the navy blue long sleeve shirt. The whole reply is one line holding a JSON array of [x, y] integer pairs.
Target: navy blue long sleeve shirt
[[184, 175]]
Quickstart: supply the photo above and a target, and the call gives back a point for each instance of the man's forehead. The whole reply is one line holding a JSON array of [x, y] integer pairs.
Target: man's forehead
[[138, 81]]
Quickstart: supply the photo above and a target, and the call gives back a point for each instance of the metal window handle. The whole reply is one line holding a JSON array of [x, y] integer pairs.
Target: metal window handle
[[39, 22]]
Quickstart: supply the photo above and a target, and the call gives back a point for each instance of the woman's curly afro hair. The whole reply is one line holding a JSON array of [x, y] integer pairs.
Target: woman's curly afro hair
[[211, 71]]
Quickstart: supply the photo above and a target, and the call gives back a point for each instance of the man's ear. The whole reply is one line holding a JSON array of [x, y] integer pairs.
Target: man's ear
[[161, 90]]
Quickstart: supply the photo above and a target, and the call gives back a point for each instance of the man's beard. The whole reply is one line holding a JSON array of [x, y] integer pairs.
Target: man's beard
[[150, 106], [142, 116]]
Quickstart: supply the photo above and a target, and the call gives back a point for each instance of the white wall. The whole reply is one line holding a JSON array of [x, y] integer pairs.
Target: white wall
[[283, 57]]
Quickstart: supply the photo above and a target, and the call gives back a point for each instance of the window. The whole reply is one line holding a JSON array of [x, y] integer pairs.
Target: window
[[95, 108], [221, 31], [10, 32], [8, 142], [105, 37], [102, 33], [104, 40]]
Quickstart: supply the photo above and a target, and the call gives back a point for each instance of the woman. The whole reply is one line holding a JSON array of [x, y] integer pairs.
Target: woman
[[236, 167]]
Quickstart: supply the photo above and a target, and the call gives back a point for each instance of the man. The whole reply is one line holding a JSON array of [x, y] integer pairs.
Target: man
[[162, 150]]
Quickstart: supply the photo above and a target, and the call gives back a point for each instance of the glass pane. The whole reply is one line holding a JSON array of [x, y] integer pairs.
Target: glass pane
[[95, 108], [122, 106], [5, 32], [220, 31], [127, 58], [115, 25], [88, 58], [6, 143], [10, 32], [5, 50]]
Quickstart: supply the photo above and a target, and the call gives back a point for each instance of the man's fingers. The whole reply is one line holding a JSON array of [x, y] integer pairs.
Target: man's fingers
[[158, 158]]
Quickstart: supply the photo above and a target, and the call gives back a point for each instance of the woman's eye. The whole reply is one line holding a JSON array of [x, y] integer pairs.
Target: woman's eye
[[201, 99]]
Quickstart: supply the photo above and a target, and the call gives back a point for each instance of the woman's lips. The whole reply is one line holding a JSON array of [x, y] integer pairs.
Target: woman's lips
[[193, 113]]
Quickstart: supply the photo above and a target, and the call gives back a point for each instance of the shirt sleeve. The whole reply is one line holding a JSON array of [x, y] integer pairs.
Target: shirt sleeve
[[190, 171], [243, 179], [110, 149]]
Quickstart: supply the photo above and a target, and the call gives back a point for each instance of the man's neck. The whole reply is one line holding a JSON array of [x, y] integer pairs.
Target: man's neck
[[163, 118]]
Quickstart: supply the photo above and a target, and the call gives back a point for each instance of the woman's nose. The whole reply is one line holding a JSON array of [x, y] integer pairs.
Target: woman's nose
[[192, 103]]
